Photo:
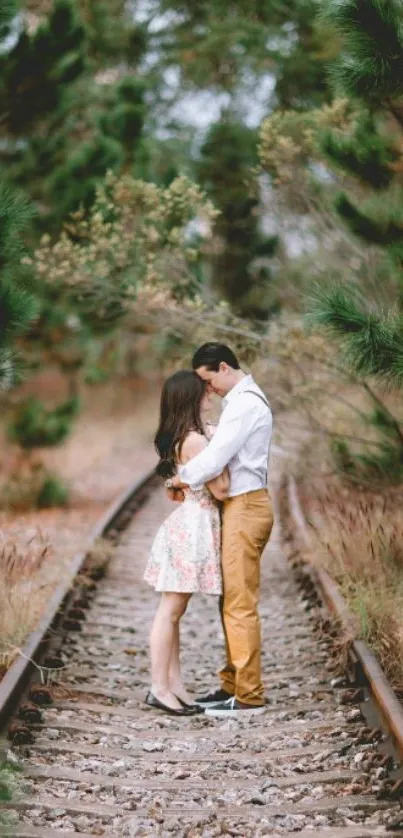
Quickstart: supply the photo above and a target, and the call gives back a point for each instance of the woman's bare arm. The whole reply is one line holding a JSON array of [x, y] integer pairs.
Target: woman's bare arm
[[194, 443]]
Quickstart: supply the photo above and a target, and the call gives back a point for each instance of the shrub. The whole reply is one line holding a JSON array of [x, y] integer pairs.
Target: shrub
[[35, 425], [52, 493]]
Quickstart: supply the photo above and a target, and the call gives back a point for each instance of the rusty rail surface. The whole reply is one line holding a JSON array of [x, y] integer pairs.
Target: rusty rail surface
[[15, 679], [386, 701]]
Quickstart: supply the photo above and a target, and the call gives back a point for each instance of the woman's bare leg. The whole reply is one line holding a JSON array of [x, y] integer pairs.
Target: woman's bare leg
[[175, 679], [162, 638]]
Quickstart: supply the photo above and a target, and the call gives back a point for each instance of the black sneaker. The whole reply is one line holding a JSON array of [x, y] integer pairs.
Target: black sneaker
[[234, 709], [212, 698]]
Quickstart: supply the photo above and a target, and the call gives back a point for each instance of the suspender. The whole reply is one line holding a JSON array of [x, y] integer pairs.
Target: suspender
[[262, 398]]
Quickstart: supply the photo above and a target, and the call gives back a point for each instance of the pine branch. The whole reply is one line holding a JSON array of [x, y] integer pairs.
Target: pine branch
[[8, 10], [375, 221], [17, 305], [17, 309], [15, 215], [361, 152], [372, 343], [371, 62]]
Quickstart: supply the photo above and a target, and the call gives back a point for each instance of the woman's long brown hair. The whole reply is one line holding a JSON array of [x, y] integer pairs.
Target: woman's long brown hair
[[180, 408]]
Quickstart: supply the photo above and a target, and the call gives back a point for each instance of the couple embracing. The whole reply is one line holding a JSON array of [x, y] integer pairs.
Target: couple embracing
[[213, 541]]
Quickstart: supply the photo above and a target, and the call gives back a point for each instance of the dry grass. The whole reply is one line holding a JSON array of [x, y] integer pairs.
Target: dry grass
[[357, 530], [357, 527], [358, 538], [23, 590], [111, 445]]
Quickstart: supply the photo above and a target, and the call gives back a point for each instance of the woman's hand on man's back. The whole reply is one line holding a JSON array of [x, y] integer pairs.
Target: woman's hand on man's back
[[176, 495]]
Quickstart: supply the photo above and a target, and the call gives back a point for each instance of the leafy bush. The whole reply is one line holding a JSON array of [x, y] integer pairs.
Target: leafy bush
[[35, 425], [52, 493], [30, 487]]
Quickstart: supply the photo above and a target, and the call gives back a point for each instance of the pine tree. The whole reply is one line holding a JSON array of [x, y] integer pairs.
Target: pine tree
[[35, 76], [35, 73], [357, 140], [369, 71], [8, 10], [112, 34], [228, 45], [227, 157], [17, 305], [63, 126], [61, 130]]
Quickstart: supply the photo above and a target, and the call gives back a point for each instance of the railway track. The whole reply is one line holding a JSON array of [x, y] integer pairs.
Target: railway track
[[98, 761]]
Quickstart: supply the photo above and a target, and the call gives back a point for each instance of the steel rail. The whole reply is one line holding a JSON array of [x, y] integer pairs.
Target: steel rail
[[383, 695], [14, 681]]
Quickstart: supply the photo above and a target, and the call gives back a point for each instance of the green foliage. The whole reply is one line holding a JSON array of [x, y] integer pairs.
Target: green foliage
[[115, 139], [361, 152], [53, 492], [8, 9], [227, 157], [125, 119], [75, 182], [35, 425], [370, 69], [378, 464], [32, 486], [373, 221], [300, 55], [360, 135], [33, 76], [370, 65], [17, 304], [372, 343], [231, 45], [133, 248], [17, 307], [111, 33], [15, 215], [63, 125]]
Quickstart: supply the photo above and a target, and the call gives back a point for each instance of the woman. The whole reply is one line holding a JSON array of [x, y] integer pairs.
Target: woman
[[185, 555]]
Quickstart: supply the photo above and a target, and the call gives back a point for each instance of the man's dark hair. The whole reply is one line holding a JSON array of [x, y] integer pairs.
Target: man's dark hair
[[211, 355]]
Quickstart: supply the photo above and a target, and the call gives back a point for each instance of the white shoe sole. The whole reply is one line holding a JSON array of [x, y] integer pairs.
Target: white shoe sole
[[254, 711]]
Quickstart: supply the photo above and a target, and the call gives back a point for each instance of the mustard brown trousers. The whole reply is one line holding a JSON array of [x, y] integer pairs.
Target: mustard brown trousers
[[247, 521]]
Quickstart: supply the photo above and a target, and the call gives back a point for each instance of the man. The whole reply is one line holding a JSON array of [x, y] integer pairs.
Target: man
[[241, 442]]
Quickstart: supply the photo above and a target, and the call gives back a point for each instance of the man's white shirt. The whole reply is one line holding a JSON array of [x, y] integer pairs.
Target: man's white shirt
[[241, 442]]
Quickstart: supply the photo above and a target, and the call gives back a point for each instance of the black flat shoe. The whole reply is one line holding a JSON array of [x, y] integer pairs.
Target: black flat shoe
[[193, 707], [152, 701]]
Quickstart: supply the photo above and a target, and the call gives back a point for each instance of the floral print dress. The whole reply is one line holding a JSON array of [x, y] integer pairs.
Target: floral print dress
[[185, 555]]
